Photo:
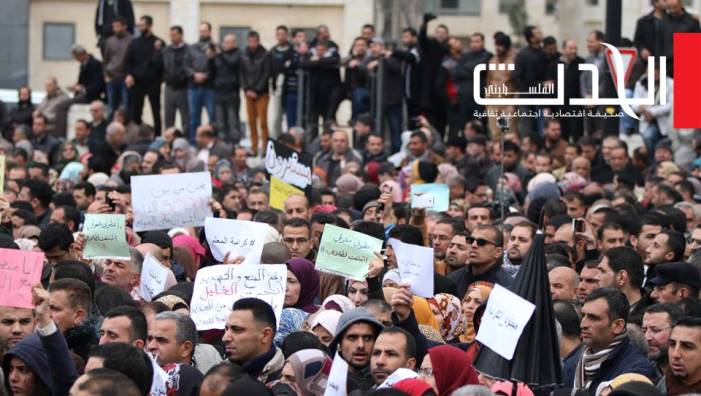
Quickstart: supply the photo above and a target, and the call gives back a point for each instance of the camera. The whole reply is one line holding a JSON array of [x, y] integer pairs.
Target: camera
[[503, 123]]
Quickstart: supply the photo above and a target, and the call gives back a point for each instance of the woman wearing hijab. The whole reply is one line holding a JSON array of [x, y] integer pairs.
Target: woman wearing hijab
[[324, 324], [67, 153], [222, 172], [338, 302], [447, 368], [477, 294], [183, 156], [357, 292], [446, 309], [302, 285], [291, 320], [308, 371]]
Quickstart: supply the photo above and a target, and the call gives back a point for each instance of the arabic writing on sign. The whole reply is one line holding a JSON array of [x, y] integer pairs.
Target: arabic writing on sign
[[238, 238], [505, 317], [594, 100], [154, 278], [218, 287], [415, 265], [19, 271], [167, 201], [346, 253], [105, 236], [289, 169]]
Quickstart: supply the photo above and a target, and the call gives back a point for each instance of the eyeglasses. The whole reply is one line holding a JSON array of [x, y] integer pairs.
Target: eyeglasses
[[425, 372], [480, 241]]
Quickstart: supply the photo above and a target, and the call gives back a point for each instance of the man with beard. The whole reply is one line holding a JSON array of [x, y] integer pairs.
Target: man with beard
[[684, 374], [667, 246], [657, 327], [464, 74], [458, 250], [355, 337], [517, 246], [144, 65], [394, 348], [15, 324], [651, 224], [433, 49], [512, 163], [440, 237], [622, 268]]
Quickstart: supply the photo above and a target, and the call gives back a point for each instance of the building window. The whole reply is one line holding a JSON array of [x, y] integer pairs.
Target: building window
[[240, 32], [58, 40], [551, 7], [506, 5], [461, 7]]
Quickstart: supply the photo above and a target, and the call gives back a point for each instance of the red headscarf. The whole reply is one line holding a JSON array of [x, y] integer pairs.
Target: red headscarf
[[452, 369], [412, 387]]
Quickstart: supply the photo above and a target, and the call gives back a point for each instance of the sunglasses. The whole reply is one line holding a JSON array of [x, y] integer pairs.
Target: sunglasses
[[480, 241]]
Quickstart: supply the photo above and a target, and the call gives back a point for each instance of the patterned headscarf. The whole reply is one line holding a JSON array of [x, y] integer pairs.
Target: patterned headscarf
[[311, 368], [485, 288], [453, 323], [291, 320]]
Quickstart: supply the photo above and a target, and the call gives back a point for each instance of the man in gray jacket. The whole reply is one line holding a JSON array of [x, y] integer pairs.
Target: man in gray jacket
[[227, 92], [114, 63], [199, 69], [176, 78]]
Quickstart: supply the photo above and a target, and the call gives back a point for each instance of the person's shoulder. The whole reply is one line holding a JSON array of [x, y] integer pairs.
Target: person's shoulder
[[456, 275]]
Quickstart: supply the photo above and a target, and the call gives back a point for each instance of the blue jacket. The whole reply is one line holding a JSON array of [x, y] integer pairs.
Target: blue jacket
[[625, 358], [49, 359]]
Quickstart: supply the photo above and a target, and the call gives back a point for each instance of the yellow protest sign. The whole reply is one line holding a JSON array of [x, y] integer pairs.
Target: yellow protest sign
[[279, 191]]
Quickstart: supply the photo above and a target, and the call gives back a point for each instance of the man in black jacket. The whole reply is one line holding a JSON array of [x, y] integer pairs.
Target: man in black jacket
[[652, 33], [255, 75], [144, 72], [281, 56], [411, 71], [433, 49], [325, 77], [175, 78], [226, 90], [678, 21], [464, 76], [391, 90], [530, 70], [91, 84]]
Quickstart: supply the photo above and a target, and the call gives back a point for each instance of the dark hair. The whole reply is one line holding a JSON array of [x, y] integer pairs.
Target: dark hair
[[158, 238], [407, 233], [120, 19], [38, 165], [676, 243], [260, 310], [253, 34], [455, 225], [549, 40], [138, 324], [128, 360], [75, 270], [512, 147], [498, 235], [78, 292], [108, 382], [283, 28], [568, 318], [626, 259], [422, 136], [502, 39], [672, 310], [599, 35], [70, 213], [689, 321], [618, 306], [55, 235], [177, 28], [528, 33], [677, 218], [63, 199], [410, 30], [410, 347], [148, 19], [297, 222], [371, 228], [299, 340], [28, 217], [607, 226], [108, 297], [554, 207], [653, 219], [40, 190], [270, 217]]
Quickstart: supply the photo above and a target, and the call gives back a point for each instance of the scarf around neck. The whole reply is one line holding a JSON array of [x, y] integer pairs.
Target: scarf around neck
[[589, 364]]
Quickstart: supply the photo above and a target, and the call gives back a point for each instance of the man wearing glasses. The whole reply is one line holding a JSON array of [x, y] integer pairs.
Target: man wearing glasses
[[484, 260], [657, 327]]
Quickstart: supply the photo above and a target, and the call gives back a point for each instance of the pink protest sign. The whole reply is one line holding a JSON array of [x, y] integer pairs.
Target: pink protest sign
[[19, 271]]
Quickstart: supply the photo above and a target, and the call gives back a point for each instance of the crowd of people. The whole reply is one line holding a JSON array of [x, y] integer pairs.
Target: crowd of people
[[622, 227]]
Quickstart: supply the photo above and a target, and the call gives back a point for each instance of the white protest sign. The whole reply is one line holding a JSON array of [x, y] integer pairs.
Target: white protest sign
[[160, 378], [218, 287], [238, 238], [423, 201], [505, 317], [155, 278], [415, 266], [398, 375], [166, 201], [336, 385]]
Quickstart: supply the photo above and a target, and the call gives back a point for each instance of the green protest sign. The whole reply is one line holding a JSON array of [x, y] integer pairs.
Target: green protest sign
[[105, 236], [346, 253]]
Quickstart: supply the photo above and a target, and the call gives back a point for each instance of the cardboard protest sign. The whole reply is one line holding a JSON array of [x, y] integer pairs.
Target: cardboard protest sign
[[415, 265], [165, 201], [236, 237], [218, 287], [336, 384], [155, 278], [19, 272], [105, 236], [288, 165], [2, 174], [433, 196], [279, 191], [505, 317], [346, 253]]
